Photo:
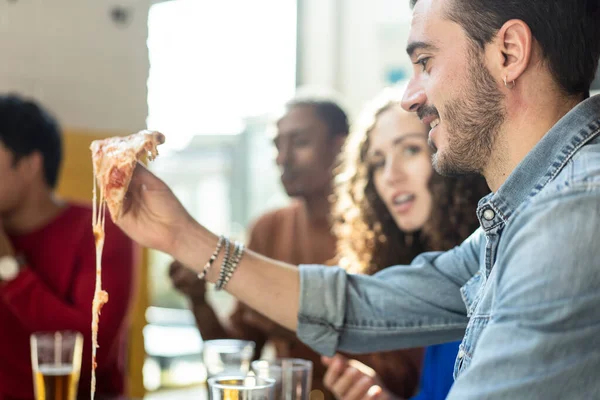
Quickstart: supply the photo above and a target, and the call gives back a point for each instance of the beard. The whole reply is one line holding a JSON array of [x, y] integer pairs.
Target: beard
[[473, 121]]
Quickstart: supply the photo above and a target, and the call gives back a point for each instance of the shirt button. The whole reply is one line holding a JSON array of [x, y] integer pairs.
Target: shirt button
[[489, 214], [461, 354]]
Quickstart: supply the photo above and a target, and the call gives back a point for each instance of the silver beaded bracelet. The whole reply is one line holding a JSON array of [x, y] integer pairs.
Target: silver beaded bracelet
[[213, 257], [226, 261], [229, 266]]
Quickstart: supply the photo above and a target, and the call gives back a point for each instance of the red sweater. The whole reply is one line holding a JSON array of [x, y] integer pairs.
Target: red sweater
[[55, 291]]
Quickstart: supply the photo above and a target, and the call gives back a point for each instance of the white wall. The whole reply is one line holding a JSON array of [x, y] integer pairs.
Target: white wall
[[318, 42], [349, 45], [70, 55]]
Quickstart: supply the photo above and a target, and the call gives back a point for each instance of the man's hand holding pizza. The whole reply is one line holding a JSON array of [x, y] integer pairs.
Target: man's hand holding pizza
[[154, 217]]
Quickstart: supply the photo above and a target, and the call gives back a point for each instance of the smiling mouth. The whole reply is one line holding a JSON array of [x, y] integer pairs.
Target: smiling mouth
[[432, 125], [403, 199], [432, 145]]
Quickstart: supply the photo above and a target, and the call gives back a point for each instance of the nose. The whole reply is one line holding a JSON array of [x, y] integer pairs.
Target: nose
[[394, 171], [414, 97], [283, 154]]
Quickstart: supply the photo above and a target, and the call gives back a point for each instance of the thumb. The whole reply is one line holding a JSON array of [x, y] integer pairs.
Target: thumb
[[326, 360], [174, 267], [142, 177], [375, 392], [143, 180]]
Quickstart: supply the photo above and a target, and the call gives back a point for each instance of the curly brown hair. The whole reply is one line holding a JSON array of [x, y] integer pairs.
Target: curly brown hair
[[368, 237]]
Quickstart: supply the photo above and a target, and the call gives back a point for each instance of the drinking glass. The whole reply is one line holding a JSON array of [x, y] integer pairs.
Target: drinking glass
[[227, 356], [241, 388], [56, 364], [293, 376]]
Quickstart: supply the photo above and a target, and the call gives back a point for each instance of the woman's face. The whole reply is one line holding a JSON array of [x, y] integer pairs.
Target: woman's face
[[401, 163]]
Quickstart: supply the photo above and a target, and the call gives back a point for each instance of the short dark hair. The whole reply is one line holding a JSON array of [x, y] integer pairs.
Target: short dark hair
[[25, 127], [328, 111], [568, 33]]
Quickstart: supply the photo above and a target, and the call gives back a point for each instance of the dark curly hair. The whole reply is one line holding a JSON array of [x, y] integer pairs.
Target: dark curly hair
[[368, 237]]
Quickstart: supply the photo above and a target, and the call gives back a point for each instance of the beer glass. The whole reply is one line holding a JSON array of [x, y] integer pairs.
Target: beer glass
[[56, 364], [293, 376], [227, 357], [240, 388]]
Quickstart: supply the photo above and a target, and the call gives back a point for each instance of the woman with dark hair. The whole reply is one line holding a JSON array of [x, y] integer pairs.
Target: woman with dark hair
[[390, 207]]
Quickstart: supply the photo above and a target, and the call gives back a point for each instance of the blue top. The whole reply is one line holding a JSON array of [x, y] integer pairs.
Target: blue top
[[436, 378]]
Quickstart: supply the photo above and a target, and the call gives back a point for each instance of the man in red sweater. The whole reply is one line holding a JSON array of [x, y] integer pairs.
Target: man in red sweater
[[47, 259]]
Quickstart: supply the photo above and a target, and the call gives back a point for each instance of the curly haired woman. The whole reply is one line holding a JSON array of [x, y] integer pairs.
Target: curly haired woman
[[390, 207]]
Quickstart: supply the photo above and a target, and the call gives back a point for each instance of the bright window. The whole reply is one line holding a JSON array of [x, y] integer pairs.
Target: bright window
[[212, 63]]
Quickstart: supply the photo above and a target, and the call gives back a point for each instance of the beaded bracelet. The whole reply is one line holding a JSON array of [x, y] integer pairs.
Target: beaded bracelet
[[230, 266], [213, 257], [226, 261], [224, 267]]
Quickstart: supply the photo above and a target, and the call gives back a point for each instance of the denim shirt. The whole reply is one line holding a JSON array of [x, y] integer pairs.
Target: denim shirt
[[522, 292]]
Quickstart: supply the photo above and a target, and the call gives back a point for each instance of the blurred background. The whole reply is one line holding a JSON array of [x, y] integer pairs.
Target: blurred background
[[210, 75]]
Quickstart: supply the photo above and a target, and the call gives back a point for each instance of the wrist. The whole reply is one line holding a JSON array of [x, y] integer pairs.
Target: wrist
[[194, 245], [213, 274], [198, 301], [10, 267]]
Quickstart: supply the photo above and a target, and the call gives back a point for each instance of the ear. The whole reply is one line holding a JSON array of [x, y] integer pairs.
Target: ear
[[31, 166], [338, 143], [515, 43]]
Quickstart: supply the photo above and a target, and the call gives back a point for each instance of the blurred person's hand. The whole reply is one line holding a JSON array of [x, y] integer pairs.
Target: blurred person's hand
[[352, 380], [267, 326], [186, 281]]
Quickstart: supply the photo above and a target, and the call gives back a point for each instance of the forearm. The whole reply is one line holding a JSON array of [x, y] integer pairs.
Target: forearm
[[393, 309], [268, 286], [207, 321], [261, 283]]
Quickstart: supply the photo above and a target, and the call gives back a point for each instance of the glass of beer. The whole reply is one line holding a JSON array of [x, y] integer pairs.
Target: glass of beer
[[56, 364], [241, 388]]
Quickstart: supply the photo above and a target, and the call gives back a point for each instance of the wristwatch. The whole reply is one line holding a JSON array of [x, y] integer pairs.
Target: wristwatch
[[9, 268]]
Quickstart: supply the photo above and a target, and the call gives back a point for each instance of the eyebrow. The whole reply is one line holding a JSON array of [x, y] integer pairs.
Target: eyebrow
[[399, 140], [293, 133], [412, 47], [299, 132]]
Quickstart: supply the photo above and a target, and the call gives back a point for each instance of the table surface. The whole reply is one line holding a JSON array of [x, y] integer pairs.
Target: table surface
[[193, 393], [196, 393]]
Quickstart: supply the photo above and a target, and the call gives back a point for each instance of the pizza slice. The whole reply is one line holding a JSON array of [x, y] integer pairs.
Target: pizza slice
[[114, 160]]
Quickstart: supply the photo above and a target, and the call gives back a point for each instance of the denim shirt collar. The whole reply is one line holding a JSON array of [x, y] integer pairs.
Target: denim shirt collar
[[542, 163]]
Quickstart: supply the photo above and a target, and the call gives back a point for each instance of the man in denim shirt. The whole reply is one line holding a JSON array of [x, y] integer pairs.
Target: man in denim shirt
[[504, 86]]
